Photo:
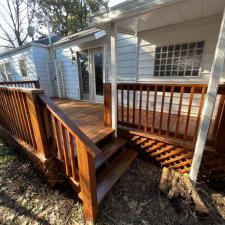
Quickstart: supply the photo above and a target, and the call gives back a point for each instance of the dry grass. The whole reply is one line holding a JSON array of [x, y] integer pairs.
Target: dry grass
[[135, 199]]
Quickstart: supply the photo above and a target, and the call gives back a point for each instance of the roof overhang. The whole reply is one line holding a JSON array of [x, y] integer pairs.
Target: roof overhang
[[20, 48], [139, 15], [81, 37]]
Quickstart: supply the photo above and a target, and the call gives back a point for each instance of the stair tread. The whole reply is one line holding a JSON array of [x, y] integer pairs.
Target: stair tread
[[112, 173], [108, 150]]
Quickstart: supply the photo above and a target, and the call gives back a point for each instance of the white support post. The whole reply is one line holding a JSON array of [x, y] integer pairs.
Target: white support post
[[114, 75], [217, 68]]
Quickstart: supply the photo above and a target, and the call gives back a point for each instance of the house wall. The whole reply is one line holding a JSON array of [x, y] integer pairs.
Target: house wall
[[206, 29], [70, 70], [127, 53], [14, 58], [38, 66], [44, 69]]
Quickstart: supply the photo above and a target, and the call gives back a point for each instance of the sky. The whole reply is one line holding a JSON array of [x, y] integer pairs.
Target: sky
[[4, 18], [114, 2]]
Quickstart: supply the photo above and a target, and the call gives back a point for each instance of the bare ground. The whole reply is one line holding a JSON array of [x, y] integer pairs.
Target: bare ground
[[134, 200]]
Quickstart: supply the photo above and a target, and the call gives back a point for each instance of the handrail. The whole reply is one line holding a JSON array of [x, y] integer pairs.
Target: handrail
[[70, 125], [22, 83]]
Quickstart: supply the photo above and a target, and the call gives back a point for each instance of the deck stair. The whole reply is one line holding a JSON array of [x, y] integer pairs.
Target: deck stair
[[111, 163]]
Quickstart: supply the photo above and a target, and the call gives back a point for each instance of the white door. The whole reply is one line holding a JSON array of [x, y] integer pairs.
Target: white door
[[97, 72]]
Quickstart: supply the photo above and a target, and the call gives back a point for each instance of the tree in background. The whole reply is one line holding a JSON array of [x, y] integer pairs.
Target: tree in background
[[67, 16], [16, 16]]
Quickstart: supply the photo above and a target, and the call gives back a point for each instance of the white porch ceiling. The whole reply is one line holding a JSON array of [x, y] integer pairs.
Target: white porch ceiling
[[171, 14]]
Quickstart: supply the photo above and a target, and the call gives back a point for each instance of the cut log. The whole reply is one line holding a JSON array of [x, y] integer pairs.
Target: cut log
[[174, 184], [199, 204]]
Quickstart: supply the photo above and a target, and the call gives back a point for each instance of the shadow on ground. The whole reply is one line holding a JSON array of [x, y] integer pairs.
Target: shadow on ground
[[135, 199]]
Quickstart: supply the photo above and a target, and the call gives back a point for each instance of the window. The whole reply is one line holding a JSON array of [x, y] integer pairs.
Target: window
[[23, 68], [178, 60], [5, 72], [3, 75]]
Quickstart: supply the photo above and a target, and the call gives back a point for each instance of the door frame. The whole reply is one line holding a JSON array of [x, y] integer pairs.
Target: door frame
[[92, 84]]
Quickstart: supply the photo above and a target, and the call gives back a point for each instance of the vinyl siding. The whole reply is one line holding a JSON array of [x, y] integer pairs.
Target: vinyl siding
[[127, 47], [14, 58], [206, 29], [70, 71], [44, 67]]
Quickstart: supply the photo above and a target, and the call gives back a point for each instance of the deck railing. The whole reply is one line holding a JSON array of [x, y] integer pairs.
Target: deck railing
[[23, 84], [33, 121], [169, 110], [75, 150]]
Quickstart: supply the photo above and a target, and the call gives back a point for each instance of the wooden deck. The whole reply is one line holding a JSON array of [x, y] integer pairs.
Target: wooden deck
[[88, 117]]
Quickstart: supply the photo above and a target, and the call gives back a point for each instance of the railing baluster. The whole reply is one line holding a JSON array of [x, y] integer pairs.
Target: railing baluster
[[57, 138], [72, 155], [13, 113], [128, 104], [162, 108], [189, 112], [199, 113], [28, 120], [179, 111], [169, 113], [134, 104], [122, 105], [147, 108], [4, 112], [19, 114], [154, 109], [140, 108], [66, 161]]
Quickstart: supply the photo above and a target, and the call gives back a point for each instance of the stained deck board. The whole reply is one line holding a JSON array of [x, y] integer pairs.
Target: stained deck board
[[88, 116]]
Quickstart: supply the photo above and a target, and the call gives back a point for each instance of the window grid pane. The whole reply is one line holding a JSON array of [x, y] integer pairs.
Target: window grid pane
[[178, 60]]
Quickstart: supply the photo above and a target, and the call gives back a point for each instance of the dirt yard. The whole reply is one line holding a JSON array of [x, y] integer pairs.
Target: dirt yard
[[134, 200]]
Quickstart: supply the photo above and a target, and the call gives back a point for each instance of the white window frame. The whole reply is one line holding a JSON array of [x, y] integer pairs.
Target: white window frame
[[25, 64], [177, 76]]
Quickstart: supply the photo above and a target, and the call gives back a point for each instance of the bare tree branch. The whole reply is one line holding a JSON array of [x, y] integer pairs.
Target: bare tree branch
[[17, 14]]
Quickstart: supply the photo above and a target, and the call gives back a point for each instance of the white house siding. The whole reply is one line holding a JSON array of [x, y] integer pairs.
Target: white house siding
[[13, 59], [127, 47], [70, 70], [206, 29], [43, 66]]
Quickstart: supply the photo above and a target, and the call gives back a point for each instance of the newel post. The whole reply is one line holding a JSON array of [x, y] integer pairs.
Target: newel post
[[43, 151], [107, 105], [87, 175], [37, 123]]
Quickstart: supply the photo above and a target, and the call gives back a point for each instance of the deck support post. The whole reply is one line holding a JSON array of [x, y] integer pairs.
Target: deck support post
[[114, 74], [87, 175], [209, 103]]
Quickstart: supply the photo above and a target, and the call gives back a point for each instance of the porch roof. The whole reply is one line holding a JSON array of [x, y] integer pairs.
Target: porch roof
[[139, 15]]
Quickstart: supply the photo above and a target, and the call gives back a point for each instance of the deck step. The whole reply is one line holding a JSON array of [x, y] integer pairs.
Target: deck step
[[108, 177], [108, 150]]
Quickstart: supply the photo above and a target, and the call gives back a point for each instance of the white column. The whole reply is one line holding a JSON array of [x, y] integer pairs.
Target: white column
[[209, 103], [114, 75]]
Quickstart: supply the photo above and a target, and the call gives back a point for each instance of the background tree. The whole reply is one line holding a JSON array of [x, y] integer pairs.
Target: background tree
[[68, 16], [16, 16]]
